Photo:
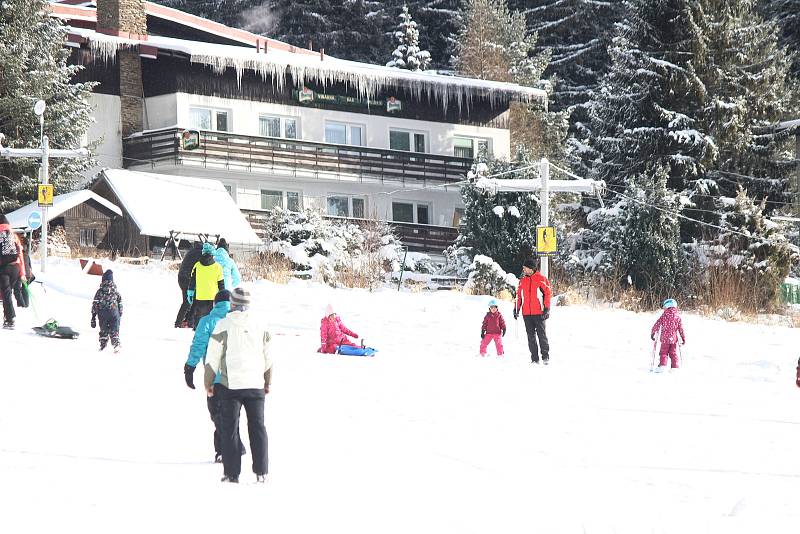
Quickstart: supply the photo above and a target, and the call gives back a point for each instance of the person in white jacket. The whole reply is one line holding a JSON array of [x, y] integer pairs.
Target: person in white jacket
[[238, 350]]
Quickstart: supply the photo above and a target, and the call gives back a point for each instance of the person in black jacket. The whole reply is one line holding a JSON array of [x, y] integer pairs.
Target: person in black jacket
[[184, 278]]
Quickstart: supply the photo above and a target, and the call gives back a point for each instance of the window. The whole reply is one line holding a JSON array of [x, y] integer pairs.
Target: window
[[271, 199], [344, 206], [411, 212], [422, 214], [87, 237], [344, 134], [358, 208], [468, 147], [402, 212], [231, 189], [209, 119], [458, 214], [405, 140], [293, 201], [338, 206], [270, 126]]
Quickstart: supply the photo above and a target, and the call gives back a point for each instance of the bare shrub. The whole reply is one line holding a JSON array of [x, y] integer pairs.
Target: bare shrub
[[266, 266]]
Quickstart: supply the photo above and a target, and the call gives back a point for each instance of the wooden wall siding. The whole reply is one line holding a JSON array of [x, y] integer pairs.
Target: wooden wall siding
[[74, 225], [123, 234], [85, 211]]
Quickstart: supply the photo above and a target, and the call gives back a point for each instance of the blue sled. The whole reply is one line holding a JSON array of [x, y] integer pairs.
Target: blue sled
[[348, 350]]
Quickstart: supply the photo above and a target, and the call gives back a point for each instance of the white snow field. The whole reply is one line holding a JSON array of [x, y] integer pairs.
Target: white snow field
[[423, 438]]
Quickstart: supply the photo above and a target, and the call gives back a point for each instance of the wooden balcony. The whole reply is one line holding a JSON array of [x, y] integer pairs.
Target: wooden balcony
[[417, 237], [290, 157]]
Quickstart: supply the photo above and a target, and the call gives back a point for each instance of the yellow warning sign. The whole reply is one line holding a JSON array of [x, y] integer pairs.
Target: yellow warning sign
[[45, 195], [546, 240]]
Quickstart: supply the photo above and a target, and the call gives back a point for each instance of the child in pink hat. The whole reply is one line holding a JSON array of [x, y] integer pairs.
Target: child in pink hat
[[333, 333]]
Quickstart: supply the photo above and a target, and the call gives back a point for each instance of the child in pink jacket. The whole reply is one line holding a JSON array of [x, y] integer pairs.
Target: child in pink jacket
[[493, 329], [332, 332], [671, 325]]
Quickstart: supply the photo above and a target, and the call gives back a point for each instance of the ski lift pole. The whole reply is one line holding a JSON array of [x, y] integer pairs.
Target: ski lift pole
[[402, 268], [544, 174]]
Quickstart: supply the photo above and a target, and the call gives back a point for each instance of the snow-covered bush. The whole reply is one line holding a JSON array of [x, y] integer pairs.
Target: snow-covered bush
[[328, 249], [486, 277], [457, 261], [417, 262]]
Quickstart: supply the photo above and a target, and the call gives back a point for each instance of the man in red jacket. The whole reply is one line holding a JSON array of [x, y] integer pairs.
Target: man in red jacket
[[535, 309]]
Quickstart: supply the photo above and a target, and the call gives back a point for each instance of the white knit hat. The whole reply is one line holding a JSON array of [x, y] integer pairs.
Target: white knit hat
[[329, 310]]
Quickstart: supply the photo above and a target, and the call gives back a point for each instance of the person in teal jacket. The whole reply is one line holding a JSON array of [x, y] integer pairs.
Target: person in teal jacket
[[197, 352], [229, 269]]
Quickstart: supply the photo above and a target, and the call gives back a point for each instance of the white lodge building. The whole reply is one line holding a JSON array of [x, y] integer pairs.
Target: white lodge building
[[284, 126]]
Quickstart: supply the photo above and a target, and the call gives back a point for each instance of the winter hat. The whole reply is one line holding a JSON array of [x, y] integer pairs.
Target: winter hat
[[208, 248], [329, 310], [670, 303], [108, 276], [222, 296], [222, 243], [240, 297], [531, 263], [493, 303]]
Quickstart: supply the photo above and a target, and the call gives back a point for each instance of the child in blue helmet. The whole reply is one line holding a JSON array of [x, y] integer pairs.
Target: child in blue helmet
[[671, 327], [493, 329]]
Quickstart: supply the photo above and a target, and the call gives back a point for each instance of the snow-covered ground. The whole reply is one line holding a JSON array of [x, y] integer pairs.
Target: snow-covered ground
[[424, 438]]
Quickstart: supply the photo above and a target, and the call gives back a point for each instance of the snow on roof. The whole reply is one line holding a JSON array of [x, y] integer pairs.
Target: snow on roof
[[61, 204], [274, 65], [160, 203]]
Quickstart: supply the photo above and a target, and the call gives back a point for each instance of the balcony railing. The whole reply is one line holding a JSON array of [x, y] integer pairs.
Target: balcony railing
[[417, 237], [291, 157]]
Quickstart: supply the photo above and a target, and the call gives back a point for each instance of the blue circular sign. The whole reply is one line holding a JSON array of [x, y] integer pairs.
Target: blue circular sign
[[34, 220]]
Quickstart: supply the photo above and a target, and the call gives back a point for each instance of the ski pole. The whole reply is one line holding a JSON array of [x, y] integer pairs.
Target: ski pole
[[653, 360]]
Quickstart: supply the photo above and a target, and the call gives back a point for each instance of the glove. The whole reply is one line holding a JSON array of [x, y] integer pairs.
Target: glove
[[188, 374], [652, 337], [545, 314], [190, 296], [483, 334], [516, 314], [94, 322], [504, 333]]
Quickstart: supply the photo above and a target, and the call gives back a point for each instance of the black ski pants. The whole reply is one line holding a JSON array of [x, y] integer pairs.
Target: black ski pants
[[534, 326], [215, 411], [231, 402], [183, 312], [108, 321], [200, 308], [9, 274]]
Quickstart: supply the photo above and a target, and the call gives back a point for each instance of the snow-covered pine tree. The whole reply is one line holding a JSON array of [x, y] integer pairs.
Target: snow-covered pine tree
[[33, 66], [408, 54], [752, 247], [748, 90], [347, 30], [438, 20], [500, 226], [646, 114], [650, 249], [787, 14], [578, 34]]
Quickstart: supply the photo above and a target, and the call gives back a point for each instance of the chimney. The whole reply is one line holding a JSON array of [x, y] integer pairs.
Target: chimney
[[128, 19]]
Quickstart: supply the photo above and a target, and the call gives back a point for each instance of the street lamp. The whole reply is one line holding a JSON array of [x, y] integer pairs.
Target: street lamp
[[39, 108]]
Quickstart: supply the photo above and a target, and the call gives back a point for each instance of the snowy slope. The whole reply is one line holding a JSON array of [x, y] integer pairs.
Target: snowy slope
[[425, 437]]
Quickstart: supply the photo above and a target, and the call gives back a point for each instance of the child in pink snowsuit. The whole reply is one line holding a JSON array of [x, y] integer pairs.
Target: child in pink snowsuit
[[493, 329], [671, 325], [332, 332]]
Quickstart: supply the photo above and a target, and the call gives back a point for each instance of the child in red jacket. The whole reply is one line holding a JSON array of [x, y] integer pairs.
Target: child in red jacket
[[493, 329], [332, 332], [670, 325]]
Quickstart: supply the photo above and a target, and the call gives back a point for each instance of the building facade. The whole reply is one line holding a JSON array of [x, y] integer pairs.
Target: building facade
[[281, 126]]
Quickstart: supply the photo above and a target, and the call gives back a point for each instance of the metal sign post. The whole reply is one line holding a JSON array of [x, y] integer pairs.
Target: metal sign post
[[546, 186], [44, 153]]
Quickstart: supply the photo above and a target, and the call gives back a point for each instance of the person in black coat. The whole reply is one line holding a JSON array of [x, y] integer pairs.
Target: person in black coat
[[184, 278]]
